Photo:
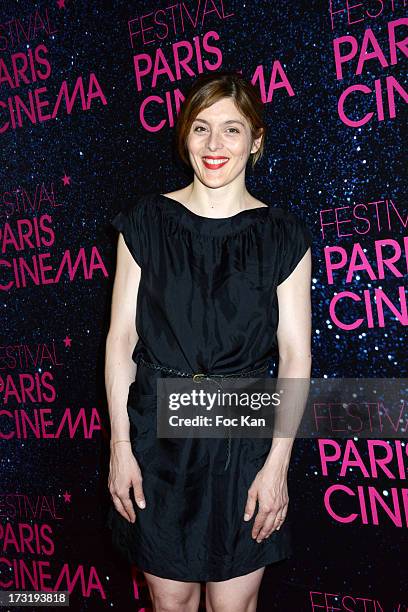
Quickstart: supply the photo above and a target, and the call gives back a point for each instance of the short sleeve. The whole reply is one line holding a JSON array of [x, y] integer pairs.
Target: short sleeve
[[297, 238], [129, 224]]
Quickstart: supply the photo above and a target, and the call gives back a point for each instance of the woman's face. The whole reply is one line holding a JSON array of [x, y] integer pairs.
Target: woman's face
[[219, 143]]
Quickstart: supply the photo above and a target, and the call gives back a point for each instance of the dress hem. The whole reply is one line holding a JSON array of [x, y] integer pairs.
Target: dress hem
[[236, 574]]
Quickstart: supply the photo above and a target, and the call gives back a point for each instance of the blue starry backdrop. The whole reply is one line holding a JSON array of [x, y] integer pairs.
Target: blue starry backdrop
[[81, 165]]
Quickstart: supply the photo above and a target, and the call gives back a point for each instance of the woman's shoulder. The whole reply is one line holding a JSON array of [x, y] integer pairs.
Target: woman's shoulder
[[279, 211], [133, 213], [292, 227], [178, 195]]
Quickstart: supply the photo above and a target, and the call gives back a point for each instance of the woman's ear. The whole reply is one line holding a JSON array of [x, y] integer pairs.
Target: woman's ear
[[256, 143]]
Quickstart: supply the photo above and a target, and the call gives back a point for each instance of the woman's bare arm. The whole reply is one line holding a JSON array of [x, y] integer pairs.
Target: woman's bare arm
[[120, 370], [269, 487], [295, 358]]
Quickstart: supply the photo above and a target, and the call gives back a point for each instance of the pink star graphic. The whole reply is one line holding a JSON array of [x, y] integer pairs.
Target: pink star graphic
[[67, 341], [67, 496], [66, 179], [61, 4]]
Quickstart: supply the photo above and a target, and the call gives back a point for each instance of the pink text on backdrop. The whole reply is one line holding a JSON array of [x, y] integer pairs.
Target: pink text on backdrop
[[366, 504], [158, 25], [383, 258], [192, 64], [337, 602], [348, 48]]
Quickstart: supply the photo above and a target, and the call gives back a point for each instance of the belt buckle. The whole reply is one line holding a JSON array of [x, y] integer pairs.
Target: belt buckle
[[198, 376]]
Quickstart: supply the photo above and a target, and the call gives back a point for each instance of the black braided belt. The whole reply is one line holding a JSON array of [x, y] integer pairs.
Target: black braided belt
[[200, 375]]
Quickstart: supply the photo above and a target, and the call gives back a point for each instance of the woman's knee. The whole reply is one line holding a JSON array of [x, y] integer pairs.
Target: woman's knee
[[221, 604], [171, 596], [235, 595], [175, 602]]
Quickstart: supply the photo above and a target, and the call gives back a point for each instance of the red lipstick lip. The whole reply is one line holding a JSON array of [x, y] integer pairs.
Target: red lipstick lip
[[216, 166], [215, 157]]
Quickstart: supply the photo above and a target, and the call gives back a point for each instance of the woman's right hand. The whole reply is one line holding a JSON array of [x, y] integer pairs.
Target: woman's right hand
[[124, 472]]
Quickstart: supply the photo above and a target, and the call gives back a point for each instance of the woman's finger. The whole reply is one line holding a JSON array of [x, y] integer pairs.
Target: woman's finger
[[250, 505], [280, 518], [120, 507], [267, 527], [138, 492], [259, 522], [128, 506]]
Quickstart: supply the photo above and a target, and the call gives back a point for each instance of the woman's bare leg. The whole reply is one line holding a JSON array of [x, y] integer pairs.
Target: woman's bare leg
[[236, 595], [172, 595]]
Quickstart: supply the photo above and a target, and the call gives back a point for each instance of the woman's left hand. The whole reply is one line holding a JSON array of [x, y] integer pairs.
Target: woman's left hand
[[270, 489]]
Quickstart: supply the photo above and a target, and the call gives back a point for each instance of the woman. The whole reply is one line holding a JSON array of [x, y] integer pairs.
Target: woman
[[204, 271]]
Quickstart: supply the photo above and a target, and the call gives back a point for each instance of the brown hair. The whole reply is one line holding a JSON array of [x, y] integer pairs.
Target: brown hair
[[208, 89]]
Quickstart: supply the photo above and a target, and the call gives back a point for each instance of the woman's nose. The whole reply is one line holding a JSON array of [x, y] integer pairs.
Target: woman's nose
[[214, 141]]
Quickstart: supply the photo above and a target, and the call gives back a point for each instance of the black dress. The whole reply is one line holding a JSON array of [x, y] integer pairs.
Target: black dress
[[206, 303]]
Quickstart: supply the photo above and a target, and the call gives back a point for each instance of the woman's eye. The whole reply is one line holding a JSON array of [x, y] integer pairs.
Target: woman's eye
[[231, 130]]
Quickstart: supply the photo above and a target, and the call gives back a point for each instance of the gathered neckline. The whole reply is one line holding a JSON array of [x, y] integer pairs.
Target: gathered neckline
[[187, 211]]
